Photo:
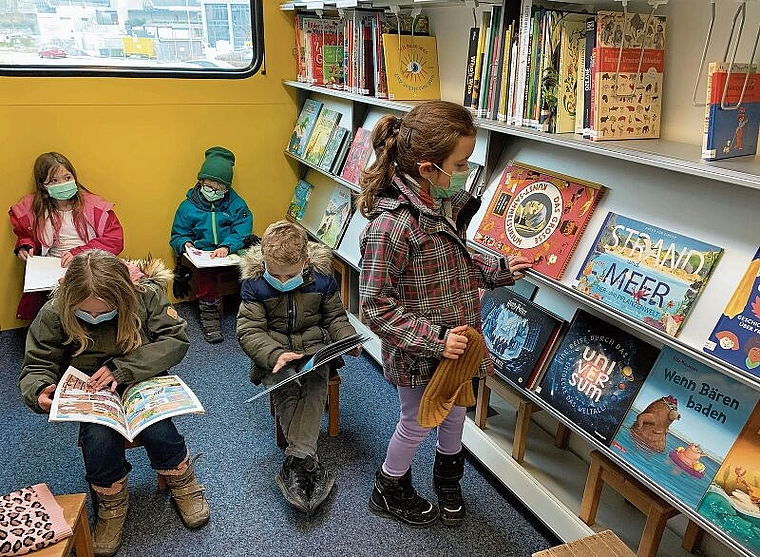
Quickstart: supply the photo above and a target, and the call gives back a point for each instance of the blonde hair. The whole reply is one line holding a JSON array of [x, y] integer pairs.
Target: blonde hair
[[284, 243], [102, 275], [428, 133]]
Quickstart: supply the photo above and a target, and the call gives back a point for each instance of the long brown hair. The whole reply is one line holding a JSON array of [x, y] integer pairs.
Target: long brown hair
[[428, 133], [103, 275], [45, 206]]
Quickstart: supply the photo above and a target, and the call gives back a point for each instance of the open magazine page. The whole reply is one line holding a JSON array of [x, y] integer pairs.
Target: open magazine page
[[200, 258], [42, 273], [74, 402], [156, 399]]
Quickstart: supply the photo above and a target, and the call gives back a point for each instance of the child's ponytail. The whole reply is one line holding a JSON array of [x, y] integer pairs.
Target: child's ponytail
[[379, 174]]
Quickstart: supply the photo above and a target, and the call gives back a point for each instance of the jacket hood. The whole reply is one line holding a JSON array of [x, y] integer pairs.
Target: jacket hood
[[149, 270], [396, 195], [252, 264]]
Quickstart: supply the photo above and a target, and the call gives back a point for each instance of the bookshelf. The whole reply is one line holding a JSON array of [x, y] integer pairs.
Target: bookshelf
[[660, 181]]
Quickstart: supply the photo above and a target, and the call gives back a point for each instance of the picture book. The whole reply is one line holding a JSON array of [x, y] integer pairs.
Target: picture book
[[332, 148], [595, 374], [731, 131], [201, 259], [141, 405], [538, 214], [648, 272], [736, 336], [323, 43], [301, 195], [627, 88], [42, 273], [336, 216], [340, 156], [732, 501], [519, 335], [682, 424], [411, 63], [298, 368], [304, 126], [358, 155], [320, 135]]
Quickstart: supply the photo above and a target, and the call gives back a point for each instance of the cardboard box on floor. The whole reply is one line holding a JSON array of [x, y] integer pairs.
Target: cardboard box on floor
[[603, 544]]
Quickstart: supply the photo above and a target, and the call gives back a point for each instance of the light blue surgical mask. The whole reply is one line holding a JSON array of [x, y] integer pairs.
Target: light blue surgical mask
[[457, 181], [62, 191], [212, 195], [103, 317], [288, 285]]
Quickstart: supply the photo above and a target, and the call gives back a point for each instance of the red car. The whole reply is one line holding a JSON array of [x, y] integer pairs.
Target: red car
[[52, 51]]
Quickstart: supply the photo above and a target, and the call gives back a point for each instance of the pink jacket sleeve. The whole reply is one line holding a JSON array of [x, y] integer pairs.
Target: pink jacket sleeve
[[111, 240]]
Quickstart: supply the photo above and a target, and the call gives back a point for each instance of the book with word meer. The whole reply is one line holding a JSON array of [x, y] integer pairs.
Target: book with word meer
[[300, 367], [200, 258], [299, 139], [301, 195], [646, 271], [42, 273], [141, 405], [682, 424]]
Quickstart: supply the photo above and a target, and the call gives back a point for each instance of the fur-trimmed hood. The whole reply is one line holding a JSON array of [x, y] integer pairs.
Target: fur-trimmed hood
[[252, 264], [149, 270]]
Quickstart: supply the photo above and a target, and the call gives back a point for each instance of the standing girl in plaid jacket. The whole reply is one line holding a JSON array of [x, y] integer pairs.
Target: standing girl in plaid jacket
[[419, 289]]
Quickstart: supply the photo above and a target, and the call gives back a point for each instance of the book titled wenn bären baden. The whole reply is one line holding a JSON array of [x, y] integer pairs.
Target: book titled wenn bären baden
[[646, 271]]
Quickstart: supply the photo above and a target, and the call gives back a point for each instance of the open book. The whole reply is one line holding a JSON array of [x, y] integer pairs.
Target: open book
[[308, 363], [200, 258], [42, 273], [142, 404]]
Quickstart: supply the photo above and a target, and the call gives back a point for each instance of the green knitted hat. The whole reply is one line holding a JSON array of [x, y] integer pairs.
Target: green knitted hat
[[218, 165]]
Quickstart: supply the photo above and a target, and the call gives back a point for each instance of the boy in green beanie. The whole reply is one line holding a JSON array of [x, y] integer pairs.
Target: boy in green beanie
[[213, 218]]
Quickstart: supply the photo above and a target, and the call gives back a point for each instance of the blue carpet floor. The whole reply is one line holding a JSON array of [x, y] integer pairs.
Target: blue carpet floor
[[239, 462]]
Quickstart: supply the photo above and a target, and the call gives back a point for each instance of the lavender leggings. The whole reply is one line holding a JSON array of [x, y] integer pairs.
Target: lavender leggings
[[409, 434]]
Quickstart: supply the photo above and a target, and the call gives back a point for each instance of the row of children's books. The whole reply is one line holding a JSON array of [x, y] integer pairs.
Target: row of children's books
[[692, 430], [335, 217], [368, 52]]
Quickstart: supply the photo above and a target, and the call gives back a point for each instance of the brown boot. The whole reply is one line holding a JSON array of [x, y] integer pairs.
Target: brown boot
[[113, 503], [187, 494]]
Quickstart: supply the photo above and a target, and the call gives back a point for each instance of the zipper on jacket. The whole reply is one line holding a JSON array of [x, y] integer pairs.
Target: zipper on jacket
[[213, 224], [291, 319]]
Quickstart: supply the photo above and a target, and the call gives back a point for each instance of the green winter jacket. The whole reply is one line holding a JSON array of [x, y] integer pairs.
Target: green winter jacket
[[164, 337], [304, 320]]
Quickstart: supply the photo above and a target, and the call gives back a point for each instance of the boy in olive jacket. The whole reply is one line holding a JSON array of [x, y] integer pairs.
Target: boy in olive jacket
[[291, 308]]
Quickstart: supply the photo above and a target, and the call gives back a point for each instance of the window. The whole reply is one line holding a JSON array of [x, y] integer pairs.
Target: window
[[191, 38]]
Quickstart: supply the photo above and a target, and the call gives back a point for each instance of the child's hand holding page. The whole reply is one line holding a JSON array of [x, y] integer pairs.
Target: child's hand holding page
[[284, 359]]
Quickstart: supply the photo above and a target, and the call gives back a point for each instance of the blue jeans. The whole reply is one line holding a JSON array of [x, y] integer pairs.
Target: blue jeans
[[105, 461]]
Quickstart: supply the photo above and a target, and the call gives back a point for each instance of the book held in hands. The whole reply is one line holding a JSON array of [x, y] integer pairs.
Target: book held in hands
[[141, 405], [42, 273], [200, 258]]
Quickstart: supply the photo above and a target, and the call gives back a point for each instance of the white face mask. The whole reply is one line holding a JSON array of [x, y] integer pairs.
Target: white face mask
[[211, 194]]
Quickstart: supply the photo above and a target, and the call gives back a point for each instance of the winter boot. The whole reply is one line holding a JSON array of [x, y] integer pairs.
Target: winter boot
[[210, 321], [113, 503], [187, 494], [397, 498], [322, 482], [293, 481], [447, 471]]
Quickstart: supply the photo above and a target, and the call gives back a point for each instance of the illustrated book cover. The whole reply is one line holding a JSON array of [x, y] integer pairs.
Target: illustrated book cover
[[595, 374], [736, 336], [731, 131], [358, 155], [301, 195], [141, 405], [299, 139], [411, 64], [519, 334], [42, 273], [326, 122], [648, 272], [336, 217], [538, 214], [627, 88], [334, 145], [732, 501], [682, 424]]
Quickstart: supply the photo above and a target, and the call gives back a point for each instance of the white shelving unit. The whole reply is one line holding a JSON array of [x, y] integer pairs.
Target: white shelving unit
[[660, 181]]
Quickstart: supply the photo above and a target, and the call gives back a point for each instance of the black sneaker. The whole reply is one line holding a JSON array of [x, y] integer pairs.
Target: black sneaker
[[293, 481], [396, 498], [322, 482]]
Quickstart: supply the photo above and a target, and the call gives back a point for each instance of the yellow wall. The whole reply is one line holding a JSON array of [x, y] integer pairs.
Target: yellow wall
[[140, 143]]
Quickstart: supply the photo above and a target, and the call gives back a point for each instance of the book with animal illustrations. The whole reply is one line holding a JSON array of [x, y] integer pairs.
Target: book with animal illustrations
[[646, 271], [735, 339], [538, 214], [336, 217], [299, 139], [595, 374], [627, 85], [320, 136], [682, 424]]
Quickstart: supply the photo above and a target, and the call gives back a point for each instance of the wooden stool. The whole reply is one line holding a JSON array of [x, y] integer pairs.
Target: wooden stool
[[525, 409], [658, 511], [602, 544], [333, 411], [76, 517], [341, 274]]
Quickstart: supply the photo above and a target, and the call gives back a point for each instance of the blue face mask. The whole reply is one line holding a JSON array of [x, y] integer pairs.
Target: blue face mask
[[287, 286], [87, 318]]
